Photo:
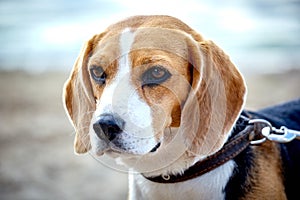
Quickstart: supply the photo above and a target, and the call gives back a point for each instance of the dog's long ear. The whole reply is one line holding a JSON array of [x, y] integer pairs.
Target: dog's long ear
[[215, 101], [78, 97]]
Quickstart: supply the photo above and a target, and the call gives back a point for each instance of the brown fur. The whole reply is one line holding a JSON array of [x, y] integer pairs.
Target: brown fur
[[267, 179], [219, 96], [78, 97]]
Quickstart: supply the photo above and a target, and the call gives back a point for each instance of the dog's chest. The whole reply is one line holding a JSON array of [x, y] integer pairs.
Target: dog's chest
[[209, 186]]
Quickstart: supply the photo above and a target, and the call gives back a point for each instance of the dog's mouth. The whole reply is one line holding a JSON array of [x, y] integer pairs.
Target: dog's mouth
[[155, 148], [134, 148], [119, 150]]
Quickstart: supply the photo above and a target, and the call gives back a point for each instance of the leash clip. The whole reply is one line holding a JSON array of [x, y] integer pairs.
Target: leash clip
[[282, 135]]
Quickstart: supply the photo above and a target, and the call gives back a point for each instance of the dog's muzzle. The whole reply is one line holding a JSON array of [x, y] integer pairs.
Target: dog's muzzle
[[108, 127]]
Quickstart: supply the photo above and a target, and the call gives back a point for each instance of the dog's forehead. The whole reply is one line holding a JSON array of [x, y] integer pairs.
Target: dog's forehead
[[165, 40], [150, 39]]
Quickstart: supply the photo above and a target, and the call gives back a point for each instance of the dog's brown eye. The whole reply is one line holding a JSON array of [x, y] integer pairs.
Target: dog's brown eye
[[98, 75], [155, 75]]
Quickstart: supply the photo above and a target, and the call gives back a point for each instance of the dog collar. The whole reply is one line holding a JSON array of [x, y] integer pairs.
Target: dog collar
[[241, 138]]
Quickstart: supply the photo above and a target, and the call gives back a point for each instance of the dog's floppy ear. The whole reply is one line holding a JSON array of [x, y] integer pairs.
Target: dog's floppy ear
[[215, 101], [78, 97]]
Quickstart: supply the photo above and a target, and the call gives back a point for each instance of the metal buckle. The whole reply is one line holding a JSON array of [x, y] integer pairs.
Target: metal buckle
[[264, 131], [282, 135]]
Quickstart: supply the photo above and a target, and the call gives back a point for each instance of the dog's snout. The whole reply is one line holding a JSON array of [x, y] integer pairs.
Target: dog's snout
[[108, 126]]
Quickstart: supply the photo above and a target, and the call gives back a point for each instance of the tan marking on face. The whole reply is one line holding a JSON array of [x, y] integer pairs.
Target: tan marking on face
[[166, 99], [106, 55]]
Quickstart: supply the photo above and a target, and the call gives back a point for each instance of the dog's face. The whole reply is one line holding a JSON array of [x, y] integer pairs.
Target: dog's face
[[136, 93], [145, 80]]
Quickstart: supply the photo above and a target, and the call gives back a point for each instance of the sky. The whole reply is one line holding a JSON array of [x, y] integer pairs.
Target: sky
[[261, 35]]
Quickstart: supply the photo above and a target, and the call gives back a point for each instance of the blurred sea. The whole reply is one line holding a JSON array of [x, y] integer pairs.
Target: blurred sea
[[259, 35]]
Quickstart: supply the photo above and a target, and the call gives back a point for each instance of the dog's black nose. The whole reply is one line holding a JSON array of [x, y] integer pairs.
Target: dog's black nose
[[108, 126]]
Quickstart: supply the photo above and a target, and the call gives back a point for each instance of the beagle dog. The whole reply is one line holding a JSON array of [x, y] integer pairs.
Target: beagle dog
[[155, 95]]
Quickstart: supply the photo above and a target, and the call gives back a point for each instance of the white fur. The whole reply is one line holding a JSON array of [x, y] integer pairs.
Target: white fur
[[209, 186], [121, 98]]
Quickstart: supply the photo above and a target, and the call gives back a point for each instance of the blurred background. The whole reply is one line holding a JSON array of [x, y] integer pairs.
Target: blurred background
[[40, 41]]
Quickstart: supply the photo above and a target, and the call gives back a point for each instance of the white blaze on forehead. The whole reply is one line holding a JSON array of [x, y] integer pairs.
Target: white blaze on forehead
[[126, 41], [121, 97], [136, 108]]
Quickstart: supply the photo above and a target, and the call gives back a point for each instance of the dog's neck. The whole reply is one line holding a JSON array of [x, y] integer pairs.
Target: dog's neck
[[209, 185], [192, 165]]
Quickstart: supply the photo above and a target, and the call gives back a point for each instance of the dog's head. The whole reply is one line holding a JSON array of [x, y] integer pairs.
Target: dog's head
[[145, 80]]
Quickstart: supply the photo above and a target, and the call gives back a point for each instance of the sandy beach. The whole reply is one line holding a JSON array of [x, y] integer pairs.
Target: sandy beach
[[36, 138]]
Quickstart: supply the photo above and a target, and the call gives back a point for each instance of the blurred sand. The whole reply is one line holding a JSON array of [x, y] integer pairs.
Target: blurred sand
[[36, 138]]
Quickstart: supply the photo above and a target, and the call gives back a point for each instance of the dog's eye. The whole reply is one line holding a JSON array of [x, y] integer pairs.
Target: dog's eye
[[98, 75], [155, 75]]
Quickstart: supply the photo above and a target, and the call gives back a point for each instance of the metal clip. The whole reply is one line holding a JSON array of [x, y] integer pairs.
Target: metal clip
[[264, 131], [282, 135]]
